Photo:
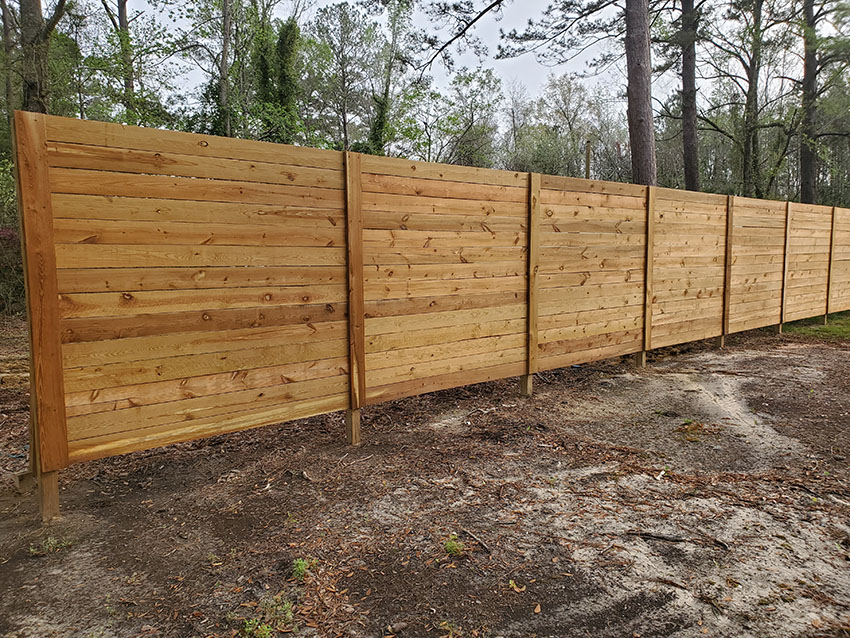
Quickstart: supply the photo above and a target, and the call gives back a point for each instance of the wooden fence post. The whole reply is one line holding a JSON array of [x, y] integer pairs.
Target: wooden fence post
[[49, 428], [527, 380], [829, 267], [727, 273], [356, 309], [785, 265], [648, 267]]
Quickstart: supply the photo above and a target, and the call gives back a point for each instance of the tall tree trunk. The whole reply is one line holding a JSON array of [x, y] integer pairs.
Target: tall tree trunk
[[639, 92], [749, 180], [690, 142], [121, 24], [35, 46], [224, 65], [808, 152], [126, 59], [8, 52]]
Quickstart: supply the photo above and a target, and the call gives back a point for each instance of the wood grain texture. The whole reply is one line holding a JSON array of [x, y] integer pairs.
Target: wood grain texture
[[533, 267], [47, 383], [785, 264], [356, 300], [190, 285], [648, 267], [727, 275]]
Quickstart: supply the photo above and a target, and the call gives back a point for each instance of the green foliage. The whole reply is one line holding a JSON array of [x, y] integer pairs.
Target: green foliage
[[452, 546], [275, 614], [300, 567], [836, 328], [49, 545], [11, 265]]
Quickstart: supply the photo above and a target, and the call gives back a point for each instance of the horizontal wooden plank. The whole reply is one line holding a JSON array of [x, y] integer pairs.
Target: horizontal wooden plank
[[549, 197], [103, 328], [589, 317], [166, 162], [449, 172], [106, 304], [565, 346], [437, 206], [73, 280], [393, 391], [485, 223], [378, 240], [146, 438], [169, 345], [75, 206], [445, 319], [415, 186], [577, 185], [437, 272], [399, 374], [427, 305], [153, 256], [149, 139], [618, 324], [95, 377], [392, 341], [446, 350], [98, 231], [413, 289], [83, 182], [120, 397], [443, 255], [590, 355], [98, 424]]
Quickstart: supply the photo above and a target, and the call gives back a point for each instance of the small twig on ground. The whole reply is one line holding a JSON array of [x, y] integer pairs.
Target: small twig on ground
[[678, 539], [365, 458], [476, 539]]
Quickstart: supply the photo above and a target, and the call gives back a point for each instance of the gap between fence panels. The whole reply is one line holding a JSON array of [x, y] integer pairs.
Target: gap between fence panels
[[183, 285]]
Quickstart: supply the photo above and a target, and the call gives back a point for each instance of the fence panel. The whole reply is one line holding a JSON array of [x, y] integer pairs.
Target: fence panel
[[445, 271], [839, 297], [757, 263], [201, 284], [809, 239], [592, 257], [689, 255]]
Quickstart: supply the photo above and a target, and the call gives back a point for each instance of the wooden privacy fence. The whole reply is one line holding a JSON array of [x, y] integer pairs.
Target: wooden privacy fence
[[184, 285]]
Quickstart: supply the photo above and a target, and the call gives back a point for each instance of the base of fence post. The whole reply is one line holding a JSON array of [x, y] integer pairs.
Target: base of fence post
[[640, 358], [48, 495], [779, 328], [721, 341], [825, 319], [352, 426], [24, 481], [526, 385]]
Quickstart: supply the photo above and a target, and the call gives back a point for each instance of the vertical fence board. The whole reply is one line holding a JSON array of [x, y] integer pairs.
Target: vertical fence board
[[727, 275], [356, 311], [785, 264], [830, 265], [42, 292], [533, 267], [648, 267]]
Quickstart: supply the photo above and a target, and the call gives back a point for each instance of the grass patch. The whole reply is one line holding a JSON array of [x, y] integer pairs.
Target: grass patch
[[300, 567], [49, 545], [836, 329], [453, 546]]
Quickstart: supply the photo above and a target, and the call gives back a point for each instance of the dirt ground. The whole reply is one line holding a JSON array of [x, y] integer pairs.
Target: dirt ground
[[708, 494]]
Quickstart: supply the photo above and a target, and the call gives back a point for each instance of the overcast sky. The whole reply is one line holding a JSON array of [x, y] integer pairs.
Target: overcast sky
[[524, 69]]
